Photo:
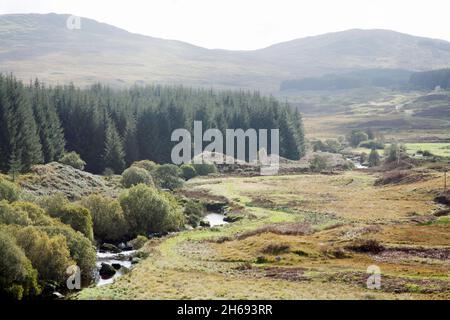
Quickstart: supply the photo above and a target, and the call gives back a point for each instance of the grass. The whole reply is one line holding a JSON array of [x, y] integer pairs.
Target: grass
[[198, 264], [437, 149]]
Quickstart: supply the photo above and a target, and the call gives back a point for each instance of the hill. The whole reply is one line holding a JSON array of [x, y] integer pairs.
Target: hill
[[41, 45]]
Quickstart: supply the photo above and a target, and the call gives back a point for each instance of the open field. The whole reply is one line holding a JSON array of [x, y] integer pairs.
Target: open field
[[302, 236]]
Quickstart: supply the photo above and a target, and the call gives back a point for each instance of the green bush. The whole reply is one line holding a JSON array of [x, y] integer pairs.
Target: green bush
[[203, 169], [18, 278], [107, 216], [193, 212], [77, 217], [72, 159], [11, 215], [138, 242], [134, 176], [149, 211], [188, 171], [356, 137], [318, 163], [9, 191], [81, 249], [145, 164], [50, 256], [36, 214], [167, 176], [374, 158]]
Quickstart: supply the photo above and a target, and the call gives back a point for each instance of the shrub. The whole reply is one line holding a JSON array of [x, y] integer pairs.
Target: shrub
[[9, 191], [81, 249], [18, 279], [149, 211], [72, 159], [54, 203], [36, 214], [11, 215], [167, 176], [356, 137], [318, 163], [145, 164], [77, 217], [374, 158], [50, 256], [138, 242], [193, 212], [134, 176], [188, 171], [203, 169], [107, 216]]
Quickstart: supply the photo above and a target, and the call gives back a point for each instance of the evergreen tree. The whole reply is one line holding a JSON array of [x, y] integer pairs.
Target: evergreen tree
[[21, 146], [48, 124], [114, 156]]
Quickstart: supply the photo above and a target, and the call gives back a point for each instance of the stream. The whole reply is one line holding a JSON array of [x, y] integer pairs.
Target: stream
[[118, 259], [122, 262], [215, 219]]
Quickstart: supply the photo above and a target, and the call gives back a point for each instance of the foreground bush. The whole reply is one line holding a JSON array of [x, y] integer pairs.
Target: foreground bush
[[11, 215], [188, 171], [9, 191], [149, 211], [203, 169], [18, 278], [107, 216], [79, 218], [81, 249], [37, 215], [167, 176], [134, 176], [72, 159], [50, 256]]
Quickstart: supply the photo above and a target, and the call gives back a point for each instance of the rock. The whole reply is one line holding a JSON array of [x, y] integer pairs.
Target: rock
[[205, 224], [106, 271], [110, 247], [122, 246], [116, 266], [135, 260]]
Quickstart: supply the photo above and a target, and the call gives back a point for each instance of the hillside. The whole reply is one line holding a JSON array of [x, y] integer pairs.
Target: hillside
[[35, 45]]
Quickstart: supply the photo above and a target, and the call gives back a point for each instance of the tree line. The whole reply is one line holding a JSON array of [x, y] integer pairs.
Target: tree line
[[114, 128]]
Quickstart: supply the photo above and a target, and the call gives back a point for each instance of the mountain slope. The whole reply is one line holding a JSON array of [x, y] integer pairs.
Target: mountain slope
[[36, 45]]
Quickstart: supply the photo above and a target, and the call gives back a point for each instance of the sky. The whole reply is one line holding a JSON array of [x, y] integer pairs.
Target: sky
[[250, 24]]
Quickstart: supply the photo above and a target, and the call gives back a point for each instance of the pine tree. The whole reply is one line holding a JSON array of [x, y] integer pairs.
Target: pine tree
[[22, 144], [114, 156], [48, 124], [130, 142]]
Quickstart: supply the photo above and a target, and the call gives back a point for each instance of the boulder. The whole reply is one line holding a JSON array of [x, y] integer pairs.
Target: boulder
[[116, 266], [107, 271]]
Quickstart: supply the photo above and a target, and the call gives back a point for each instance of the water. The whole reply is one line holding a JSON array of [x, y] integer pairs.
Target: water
[[110, 258], [215, 219]]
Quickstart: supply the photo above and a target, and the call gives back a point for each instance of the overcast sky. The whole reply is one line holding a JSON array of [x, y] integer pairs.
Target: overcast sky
[[250, 24]]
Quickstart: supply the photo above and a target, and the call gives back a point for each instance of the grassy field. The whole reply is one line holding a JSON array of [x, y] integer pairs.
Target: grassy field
[[298, 239], [437, 149]]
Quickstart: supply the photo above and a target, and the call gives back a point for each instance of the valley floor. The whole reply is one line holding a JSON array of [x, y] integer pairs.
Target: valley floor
[[305, 236]]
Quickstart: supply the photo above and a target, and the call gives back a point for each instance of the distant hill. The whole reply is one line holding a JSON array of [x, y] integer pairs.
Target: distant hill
[[40, 45]]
